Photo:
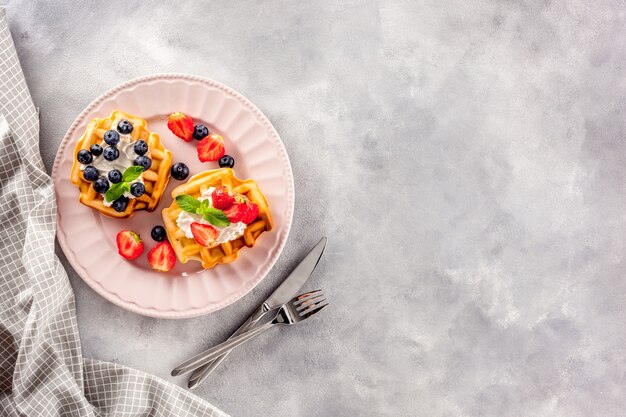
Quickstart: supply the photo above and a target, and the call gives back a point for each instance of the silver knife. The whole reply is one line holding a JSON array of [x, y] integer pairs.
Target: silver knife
[[287, 290]]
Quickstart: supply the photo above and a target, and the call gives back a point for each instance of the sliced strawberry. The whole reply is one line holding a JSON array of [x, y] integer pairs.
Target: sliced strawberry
[[236, 212], [211, 148], [181, 125], [221, 198], [204, 234], [162, 257], [129, 245], [251, 213]]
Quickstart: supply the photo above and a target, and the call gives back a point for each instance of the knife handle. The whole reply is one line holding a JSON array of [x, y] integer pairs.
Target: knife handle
[[216, 351], [203, 372]]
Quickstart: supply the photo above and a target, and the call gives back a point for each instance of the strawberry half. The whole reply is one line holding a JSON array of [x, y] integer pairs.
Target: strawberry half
[[204, 234], [162, 257], [251, 213], [181, 125], [221, 198], [236, 212], [211, 148], [243, 210], [129, 245]]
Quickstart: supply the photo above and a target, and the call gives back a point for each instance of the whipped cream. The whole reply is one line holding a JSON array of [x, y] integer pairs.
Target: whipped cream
[[226, 234], [125, 160]]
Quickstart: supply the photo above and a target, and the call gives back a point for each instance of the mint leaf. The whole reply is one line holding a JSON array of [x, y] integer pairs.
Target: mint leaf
[[132, 173], [116, 191], [215, 217], [187, 203], [204, 205]]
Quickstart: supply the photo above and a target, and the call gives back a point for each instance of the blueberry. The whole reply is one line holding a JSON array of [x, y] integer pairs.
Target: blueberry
[[124, 127], [115, 176], [111, 153], [101, 185], [143, 161], [90, 173], [137, 189], [84, 157], [158, 233], [96, 150], [200, 132], [141, 147], [179, 171], [111, 137], [120, 204], [226, 161]]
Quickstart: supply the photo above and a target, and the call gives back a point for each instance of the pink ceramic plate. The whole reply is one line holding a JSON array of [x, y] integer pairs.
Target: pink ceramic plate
[[88, 238]]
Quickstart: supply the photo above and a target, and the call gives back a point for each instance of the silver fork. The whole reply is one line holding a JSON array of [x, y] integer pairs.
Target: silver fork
[[296, 310]]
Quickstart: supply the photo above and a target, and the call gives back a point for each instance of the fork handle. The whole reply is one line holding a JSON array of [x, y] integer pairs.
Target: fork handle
[[202, 373], [210, 354]]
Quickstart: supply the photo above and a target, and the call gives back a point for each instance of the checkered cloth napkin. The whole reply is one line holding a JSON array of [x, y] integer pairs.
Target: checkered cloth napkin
[[42, 371]]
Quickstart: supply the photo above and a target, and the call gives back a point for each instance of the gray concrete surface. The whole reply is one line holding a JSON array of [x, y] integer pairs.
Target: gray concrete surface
[[466, 159]]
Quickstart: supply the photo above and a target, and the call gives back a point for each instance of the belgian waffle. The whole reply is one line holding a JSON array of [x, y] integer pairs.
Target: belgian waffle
[[186, 248], [155, 179]]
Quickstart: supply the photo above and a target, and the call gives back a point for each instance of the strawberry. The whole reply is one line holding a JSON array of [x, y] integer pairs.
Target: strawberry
[[236, 212], [251, 213], [211, 148], [221, 198], [129, 245], [243, 210], [162, 257], [204, 234], [181, 125]]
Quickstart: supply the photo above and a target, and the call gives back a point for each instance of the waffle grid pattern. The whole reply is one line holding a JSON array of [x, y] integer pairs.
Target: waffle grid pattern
[[155, 179], [187, 249]]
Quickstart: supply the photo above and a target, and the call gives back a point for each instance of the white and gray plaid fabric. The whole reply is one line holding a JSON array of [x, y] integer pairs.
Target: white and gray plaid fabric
[[42, 371]]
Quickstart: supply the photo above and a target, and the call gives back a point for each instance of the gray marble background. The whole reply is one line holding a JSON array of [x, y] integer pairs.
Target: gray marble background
[[466, 159]]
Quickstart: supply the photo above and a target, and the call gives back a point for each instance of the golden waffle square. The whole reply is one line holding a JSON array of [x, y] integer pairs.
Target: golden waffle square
[[186, 248], [155, 179]]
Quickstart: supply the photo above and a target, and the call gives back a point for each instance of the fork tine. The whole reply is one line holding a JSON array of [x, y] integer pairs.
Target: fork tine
[[305, 297], [313, 310], [311, 302]]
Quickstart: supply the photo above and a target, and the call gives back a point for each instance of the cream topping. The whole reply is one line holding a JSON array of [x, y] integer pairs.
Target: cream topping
[[226, 234], [126, 147]]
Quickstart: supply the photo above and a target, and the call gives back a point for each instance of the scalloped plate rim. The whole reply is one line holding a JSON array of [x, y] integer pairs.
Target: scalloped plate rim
[[190, 312]]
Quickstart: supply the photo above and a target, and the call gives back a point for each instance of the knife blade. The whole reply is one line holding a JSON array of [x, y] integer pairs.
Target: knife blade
[[285, 291], [296, 279]]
